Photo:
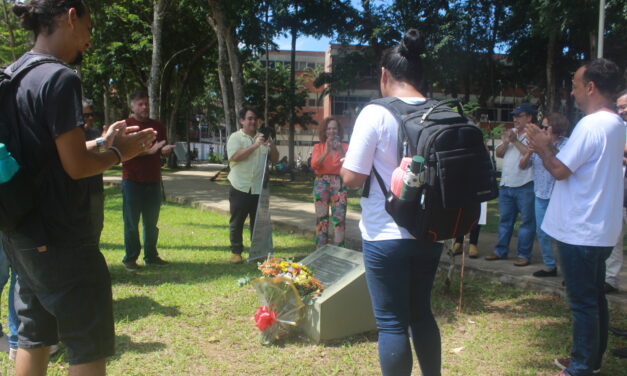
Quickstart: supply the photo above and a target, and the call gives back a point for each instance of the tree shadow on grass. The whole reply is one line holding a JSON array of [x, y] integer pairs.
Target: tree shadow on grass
[[140, 306], [182, 247], [181, 273], [124, 344]]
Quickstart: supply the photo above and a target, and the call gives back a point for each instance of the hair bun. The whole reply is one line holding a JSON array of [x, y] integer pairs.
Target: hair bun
[[412, 45], [19, 9], [25, 14]]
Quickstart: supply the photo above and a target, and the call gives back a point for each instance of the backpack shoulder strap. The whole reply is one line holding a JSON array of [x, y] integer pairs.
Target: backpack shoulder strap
[[400, 110], [17, 70]]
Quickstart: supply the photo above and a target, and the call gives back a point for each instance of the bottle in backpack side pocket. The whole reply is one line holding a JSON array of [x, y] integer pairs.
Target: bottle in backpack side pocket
[[414, 179], [8, 165]]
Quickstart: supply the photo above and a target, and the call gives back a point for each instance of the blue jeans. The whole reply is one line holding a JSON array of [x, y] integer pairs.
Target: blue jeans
[[14, 321], [140, 199], [511, 202], [584, 273], [400, 276], [545, 241]]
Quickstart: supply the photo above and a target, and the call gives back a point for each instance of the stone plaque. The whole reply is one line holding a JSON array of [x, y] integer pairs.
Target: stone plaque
[[344, 307], [330, 269], [261, 241]]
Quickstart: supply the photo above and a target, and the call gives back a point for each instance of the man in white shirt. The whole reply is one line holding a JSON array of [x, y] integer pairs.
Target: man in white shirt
[[582, 215], [516, 191]]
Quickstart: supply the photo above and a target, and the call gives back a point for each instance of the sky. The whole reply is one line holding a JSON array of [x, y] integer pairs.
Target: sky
[[306, 43]]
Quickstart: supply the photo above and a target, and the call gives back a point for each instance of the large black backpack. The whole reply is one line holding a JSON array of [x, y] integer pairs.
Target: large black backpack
[[19, 196], [458, 170]]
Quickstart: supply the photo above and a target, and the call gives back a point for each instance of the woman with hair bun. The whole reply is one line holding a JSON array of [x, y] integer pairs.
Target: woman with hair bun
[[399, 268], [328, 189]]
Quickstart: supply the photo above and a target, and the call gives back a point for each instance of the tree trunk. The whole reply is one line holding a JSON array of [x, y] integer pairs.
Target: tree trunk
[[266, 102], [226, 32], [181, 90], [235, 64], [154, 81], [223, 75], [9, 30], [552, 96], [106, 105], [292, 128]]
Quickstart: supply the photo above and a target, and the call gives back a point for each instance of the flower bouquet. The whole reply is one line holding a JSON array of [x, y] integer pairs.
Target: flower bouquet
[[283, 291]]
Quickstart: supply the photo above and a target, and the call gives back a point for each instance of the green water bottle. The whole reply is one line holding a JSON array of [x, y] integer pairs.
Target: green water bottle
[[414, 178], [8, 165]]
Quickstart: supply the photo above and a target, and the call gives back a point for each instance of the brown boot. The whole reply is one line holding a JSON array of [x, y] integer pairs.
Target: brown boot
[[473, 252], [236, 258], [458, 249]]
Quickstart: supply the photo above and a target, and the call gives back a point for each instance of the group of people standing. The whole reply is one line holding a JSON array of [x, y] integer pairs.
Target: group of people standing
[[56, 254]]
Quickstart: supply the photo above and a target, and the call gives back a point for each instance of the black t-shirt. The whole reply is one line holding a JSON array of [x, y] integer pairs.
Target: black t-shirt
[[48, 101]]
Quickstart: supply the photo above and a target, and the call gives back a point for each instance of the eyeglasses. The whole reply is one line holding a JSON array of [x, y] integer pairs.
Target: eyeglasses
[[88, 115]]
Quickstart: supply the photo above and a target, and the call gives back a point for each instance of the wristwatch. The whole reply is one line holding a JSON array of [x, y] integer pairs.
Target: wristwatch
[[100, 142]]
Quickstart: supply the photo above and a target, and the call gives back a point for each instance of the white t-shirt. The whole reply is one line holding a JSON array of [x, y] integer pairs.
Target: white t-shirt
[[375, 142], [583, 209], [512, 175]]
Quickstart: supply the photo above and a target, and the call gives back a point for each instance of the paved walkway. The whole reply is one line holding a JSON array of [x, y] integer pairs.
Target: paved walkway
[[193, 187]]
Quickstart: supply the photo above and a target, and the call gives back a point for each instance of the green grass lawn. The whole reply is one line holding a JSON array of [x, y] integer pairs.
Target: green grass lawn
[[191, 318]]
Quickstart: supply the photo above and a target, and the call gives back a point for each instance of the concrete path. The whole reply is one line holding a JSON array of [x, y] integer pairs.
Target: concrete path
[[193, 187]]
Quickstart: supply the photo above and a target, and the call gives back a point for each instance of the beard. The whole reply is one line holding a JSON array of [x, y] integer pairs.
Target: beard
[[78, 59]]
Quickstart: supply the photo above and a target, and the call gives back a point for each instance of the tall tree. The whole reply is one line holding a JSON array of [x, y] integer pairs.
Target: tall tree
[[224, 20], [154, 81]]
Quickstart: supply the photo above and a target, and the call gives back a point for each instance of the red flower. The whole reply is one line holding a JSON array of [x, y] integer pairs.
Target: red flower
[[264, 318]]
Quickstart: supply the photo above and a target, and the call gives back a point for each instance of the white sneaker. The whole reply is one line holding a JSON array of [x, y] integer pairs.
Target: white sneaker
[[54, 349], [4, 344]]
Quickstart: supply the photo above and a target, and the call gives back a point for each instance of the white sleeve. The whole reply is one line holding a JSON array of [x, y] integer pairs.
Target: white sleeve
[[363, 142], [580, 147]]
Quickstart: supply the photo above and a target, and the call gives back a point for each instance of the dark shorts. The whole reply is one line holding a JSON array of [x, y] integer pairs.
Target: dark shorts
[[64, 293]]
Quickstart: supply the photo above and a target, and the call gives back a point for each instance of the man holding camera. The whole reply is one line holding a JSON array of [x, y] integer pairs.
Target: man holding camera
[[246, 150]]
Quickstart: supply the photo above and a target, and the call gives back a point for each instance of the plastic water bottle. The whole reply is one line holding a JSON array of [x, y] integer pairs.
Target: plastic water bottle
[[414, 178], [8, 165]]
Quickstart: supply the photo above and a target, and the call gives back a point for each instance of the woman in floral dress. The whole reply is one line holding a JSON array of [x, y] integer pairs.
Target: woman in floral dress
[[328, 189]]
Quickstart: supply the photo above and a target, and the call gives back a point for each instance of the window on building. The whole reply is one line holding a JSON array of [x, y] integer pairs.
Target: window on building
[[344, 105]]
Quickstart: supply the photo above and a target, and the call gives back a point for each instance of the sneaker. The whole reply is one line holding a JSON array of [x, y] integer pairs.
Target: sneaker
[[521, 261], [158, 261], [564, 362], [492, 257], [12, 353], [54, 349], [4, 343], [620, 353], [618, 332], [457, 249], [131, 266], [609, 289], [236, 258], [544, 273], [473, 252]]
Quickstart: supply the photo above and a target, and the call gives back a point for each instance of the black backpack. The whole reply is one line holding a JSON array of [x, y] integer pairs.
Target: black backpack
[[459, 173], [19, 196]]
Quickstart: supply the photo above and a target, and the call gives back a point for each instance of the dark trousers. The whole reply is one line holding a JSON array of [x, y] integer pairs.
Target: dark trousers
[[140, 199], [400, 276], [474, 236], [242, 205]]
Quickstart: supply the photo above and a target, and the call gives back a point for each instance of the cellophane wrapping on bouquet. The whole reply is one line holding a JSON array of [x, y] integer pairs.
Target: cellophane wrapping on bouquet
[[283, 291], [281, 307]]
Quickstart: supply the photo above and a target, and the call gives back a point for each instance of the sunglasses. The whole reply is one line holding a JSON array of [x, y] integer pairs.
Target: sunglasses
[[88, 115]]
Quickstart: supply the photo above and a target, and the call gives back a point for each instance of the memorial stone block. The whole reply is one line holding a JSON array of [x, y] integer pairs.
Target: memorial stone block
[[344, 307]]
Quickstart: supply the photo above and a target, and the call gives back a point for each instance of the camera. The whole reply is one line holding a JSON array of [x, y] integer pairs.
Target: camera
[[267, 132]]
